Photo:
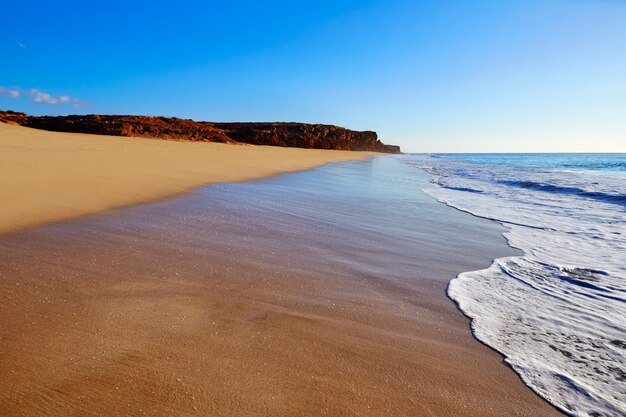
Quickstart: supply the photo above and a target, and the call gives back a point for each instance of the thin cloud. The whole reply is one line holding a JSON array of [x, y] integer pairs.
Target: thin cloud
[[21, 45], [9, 92], [41, 97]]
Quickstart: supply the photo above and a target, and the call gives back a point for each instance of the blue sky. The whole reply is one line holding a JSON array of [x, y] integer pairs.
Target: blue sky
[[432, 76]]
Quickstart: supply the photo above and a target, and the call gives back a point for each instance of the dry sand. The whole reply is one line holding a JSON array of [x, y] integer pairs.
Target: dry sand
[[51, 176]]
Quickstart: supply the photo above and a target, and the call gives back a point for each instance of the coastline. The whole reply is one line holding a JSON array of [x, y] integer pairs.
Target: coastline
[[52, 176], [528, 307], [268, 297]]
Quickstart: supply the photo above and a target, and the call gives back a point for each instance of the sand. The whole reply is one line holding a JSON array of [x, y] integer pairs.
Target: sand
[[52, 176], [319, 293]]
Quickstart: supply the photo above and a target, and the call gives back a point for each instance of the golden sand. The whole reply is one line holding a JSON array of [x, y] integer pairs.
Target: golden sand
[[52, 176], [209, 306], [165, 310]]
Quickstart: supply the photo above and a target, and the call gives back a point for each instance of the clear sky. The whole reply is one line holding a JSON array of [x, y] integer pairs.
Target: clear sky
[[431, 76]]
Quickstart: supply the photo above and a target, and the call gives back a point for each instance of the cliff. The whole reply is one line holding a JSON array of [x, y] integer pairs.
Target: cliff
[[299, 135], [139, 126], [302, 135]]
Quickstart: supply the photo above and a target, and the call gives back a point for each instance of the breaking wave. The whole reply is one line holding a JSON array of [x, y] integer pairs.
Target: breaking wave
[[557, 313]]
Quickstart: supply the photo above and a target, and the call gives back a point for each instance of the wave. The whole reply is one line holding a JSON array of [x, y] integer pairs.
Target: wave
[[562, 347], [467, 189], [558, 313], [552, 188]]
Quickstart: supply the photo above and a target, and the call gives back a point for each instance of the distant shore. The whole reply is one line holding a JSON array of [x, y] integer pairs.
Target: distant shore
[[53, 176]]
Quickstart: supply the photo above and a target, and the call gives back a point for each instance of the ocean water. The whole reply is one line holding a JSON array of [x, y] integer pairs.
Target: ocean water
[[557, 313]]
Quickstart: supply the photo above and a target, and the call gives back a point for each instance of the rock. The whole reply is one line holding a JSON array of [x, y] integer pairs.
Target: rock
[[303, 135], [13, 118], [299, 135], [139, 126]]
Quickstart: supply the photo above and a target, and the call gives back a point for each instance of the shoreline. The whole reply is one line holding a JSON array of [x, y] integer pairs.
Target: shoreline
[[54, 176], [273, 296], [527, 306]]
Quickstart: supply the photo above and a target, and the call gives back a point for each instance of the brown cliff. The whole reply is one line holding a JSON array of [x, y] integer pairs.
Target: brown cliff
[[13, 118], [300, 135], [139, 126]]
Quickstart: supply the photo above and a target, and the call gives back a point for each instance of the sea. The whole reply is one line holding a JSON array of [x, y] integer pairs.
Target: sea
[[557, 313]]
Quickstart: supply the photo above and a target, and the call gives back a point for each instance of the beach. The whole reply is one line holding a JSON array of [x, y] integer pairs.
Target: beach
[[52, 176], [311, 293], [328, 209]]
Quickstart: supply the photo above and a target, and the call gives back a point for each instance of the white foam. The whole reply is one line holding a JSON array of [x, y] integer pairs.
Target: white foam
[[557, 313]]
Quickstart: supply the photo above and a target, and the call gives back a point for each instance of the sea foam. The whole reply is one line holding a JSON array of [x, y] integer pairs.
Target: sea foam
[[558, 312]]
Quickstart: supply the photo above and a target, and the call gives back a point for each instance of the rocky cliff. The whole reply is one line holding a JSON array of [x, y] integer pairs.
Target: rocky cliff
[[300, 135], [13, 117]]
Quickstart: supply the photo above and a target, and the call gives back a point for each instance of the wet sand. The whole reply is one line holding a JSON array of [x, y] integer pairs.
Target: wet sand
[[317, 293], [52, 176]]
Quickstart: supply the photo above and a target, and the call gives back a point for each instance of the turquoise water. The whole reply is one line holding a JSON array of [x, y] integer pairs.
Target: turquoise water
[[584, 161], [557, 313], [593, 176]]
